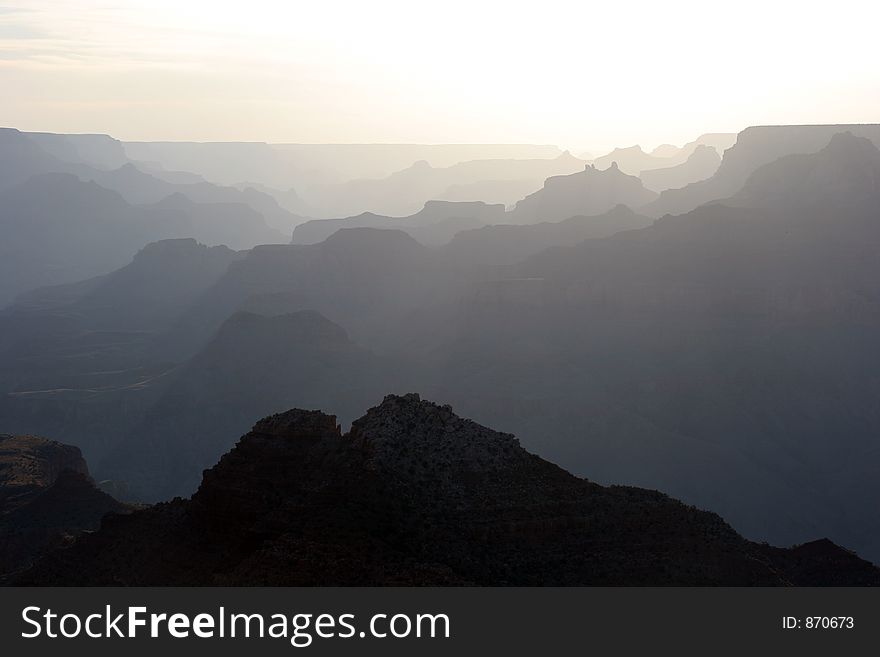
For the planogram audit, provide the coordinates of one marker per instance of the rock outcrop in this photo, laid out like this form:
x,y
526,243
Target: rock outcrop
x,y
414,494
47,499
29,464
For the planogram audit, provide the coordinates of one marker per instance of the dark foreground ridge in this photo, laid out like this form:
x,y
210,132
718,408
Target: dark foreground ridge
x,y
414,495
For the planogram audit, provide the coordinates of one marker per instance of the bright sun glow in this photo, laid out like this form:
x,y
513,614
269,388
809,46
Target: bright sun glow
x,y
584,75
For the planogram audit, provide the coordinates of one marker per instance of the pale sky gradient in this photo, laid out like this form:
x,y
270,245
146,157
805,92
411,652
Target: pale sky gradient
x,y
580,74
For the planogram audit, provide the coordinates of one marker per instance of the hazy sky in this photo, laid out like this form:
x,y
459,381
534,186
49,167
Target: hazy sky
x,y
581,74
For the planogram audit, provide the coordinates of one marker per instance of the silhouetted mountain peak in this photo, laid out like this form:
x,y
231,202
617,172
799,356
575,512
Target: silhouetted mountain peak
x,y
621,210
415,494
295,424
847,144
589,192
419,439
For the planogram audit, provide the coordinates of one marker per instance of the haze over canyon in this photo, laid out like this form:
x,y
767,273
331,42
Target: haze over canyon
x,y
234,345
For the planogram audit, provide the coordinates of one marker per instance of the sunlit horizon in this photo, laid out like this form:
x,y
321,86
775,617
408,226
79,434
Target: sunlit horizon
x,y
586,78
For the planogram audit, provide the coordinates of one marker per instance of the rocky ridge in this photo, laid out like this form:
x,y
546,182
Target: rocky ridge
x,y
414,494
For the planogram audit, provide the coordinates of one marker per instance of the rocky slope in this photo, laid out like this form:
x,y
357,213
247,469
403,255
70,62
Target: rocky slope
x,y
46,499
414,494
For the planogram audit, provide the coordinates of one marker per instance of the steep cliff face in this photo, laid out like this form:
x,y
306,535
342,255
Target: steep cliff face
x,y
29,464
414,494
46,499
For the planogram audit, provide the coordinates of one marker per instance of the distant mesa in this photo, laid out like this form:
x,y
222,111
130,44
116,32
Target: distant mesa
x,y
403,192
434,224
588,192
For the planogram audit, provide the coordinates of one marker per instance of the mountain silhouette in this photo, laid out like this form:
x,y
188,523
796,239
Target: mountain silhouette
x,y
509,244
21,158
634,161
846,171
405,191
47,499
88,350
701,164
317,165
139,187
59,229
587,193
724,355
436,223
364,279
415,495
255,365
630,160
755,147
